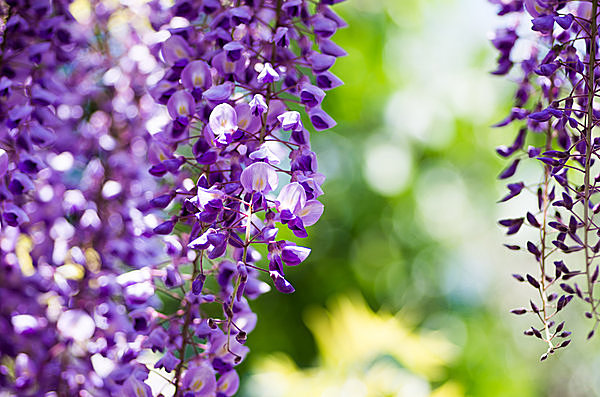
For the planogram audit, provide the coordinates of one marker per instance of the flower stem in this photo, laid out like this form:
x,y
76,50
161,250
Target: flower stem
x,y
588,153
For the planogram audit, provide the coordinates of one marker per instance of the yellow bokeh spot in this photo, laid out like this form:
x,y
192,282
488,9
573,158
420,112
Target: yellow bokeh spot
x,y
119,19
54,307
23,252
449,389
71,271
9,364
92,259
353,324
81,11
361,353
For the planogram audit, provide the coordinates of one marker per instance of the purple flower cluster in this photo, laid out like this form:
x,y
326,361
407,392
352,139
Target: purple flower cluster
x,y
73,189
240,82
36,42
83,257
554,105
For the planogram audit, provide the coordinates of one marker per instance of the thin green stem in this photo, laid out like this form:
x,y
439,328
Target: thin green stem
x,y
588,153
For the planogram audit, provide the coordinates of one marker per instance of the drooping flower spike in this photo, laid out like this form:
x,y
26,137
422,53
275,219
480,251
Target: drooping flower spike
x,y
73,189
554,108
235,84
81,238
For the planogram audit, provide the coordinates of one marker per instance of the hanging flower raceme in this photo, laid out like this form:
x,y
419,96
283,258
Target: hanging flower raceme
x,y
74,187
554,109
243,84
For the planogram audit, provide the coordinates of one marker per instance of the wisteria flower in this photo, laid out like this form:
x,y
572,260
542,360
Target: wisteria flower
x,y
290,121
200,379
181,104
258,105
268,74
223,121
259,177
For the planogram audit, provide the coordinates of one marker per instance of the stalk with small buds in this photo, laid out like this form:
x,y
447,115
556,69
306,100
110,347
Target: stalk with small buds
x,y
554,105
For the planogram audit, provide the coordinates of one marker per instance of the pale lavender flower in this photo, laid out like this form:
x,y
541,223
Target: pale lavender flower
x,y
265,154
228,383
196,75
290,121
292,198
258,105
311,212
200,379
259,177
223,121
268,74
181,104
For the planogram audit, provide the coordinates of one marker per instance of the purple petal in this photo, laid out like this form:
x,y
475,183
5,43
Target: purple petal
x,y
290,121
181,104
3,162
134,387
293,255
292,198
196,74
330,48
321,120
259,177
564,21
228,384
510,171
532,7
258,105
268,74
311,95
311,212
323,26
201,242
320,62
223,120
281,283
198,284
176,48
543,24
200,379
219,93
281,38
547,69
265,154
328,81
543,115
164,228
169,362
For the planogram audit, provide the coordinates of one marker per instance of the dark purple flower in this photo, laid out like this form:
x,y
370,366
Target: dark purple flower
x,y
281,283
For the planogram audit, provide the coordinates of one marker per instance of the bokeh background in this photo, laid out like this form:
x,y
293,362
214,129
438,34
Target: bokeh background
x,y
408,289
